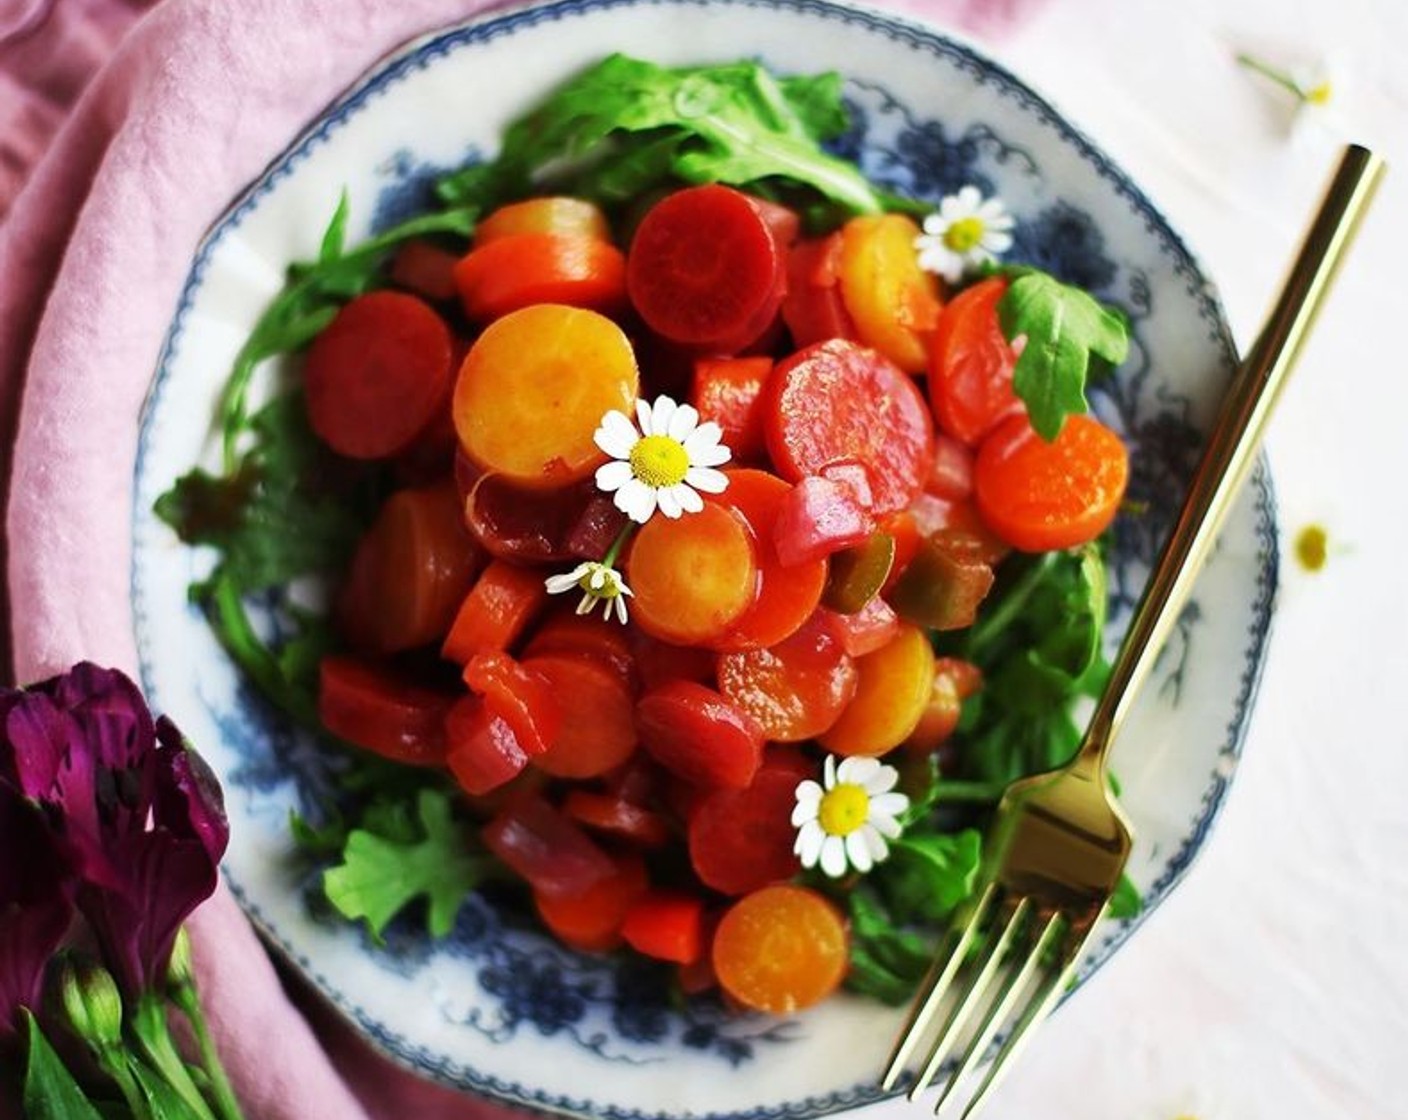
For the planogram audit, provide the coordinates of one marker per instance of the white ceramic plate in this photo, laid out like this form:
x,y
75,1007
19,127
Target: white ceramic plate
x,y
500,1010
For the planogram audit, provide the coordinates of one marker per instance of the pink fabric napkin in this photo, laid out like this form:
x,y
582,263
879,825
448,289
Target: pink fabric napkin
x,y
124,132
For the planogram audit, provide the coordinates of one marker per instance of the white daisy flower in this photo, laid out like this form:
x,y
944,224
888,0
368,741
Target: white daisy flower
x,y
1313,87
663,465
847,818
599,583
966,230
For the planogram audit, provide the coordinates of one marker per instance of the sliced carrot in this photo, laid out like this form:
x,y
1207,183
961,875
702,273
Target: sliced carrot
x,y
617,817
555,214
484,750
955,680
381,709
533,389
597,731
894,303
521,269
1039,496
893,689
742,839
786,596
591,920
700,735
409,573
692,577
426,270
374,378
729,391
518,695
498,609
781,949
796,689
666,925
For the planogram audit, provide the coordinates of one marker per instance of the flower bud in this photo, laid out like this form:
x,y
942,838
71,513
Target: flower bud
x,y
180,973
92,1003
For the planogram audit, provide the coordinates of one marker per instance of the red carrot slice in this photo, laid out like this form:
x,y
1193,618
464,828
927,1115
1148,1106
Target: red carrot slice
x,y
740,840
705,269
377,374
837,401
699,734
375,707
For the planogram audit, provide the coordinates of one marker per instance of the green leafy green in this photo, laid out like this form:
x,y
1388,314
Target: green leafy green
x,y
50,1091
929,873
380,875
1038,641
626,126
1064,326
1126,902
888,958
283,513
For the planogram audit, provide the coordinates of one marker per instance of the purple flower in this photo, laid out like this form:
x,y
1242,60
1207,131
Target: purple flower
x,y
137,813
36,906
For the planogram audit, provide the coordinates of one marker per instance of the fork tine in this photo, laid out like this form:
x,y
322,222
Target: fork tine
x,y
935,985
1003,1005
970,999
1037,1009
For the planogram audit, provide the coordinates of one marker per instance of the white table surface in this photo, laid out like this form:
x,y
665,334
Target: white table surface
x,y
1273,985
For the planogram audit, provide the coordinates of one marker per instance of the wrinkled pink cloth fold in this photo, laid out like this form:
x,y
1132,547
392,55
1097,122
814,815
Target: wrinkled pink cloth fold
x,y
131,127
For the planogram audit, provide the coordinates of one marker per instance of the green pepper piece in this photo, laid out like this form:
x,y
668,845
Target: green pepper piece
x,y
857,574
944,583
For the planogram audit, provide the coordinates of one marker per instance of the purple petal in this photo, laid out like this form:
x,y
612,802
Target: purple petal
x,y
189,801
35,905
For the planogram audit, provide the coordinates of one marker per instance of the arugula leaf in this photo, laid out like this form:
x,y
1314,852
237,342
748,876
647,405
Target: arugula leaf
x,y
1126,902
1063,326
887,959
929,873
626,125
379,876
1038,640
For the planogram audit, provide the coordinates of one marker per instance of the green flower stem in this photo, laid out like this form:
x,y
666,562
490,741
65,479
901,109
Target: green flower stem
x,y
995,621
619,543
951,792
154,1034
1274,74
184,996
116,1063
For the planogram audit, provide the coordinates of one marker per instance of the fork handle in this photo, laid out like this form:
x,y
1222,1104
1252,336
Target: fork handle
x,y
1231,448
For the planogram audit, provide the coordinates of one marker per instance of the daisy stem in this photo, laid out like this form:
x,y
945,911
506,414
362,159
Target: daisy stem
x,y
619,543
1273,74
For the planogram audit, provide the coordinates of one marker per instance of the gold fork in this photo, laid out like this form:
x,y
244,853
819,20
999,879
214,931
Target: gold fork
x,y
1059,842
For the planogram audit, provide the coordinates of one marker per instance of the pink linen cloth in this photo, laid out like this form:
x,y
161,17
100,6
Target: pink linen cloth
x,y
125,130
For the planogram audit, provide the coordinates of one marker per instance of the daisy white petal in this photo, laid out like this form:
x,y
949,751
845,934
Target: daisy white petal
x,y
808,792
874,841
888,804
809,842
833,856
707,479
885,824
997,242
643,418
636,500
880,780
661,415
556,585
617,435
970,197
858,851
612,476
689,499
705,436
669,502
828,771
683,423
858,769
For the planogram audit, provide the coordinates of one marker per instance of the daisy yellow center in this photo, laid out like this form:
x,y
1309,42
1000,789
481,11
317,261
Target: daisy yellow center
x,y
1320,93
659,461
600,589
964,234
843,809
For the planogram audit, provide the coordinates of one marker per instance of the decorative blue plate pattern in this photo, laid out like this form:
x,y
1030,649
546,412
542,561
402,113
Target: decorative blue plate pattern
x,y
497,1008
